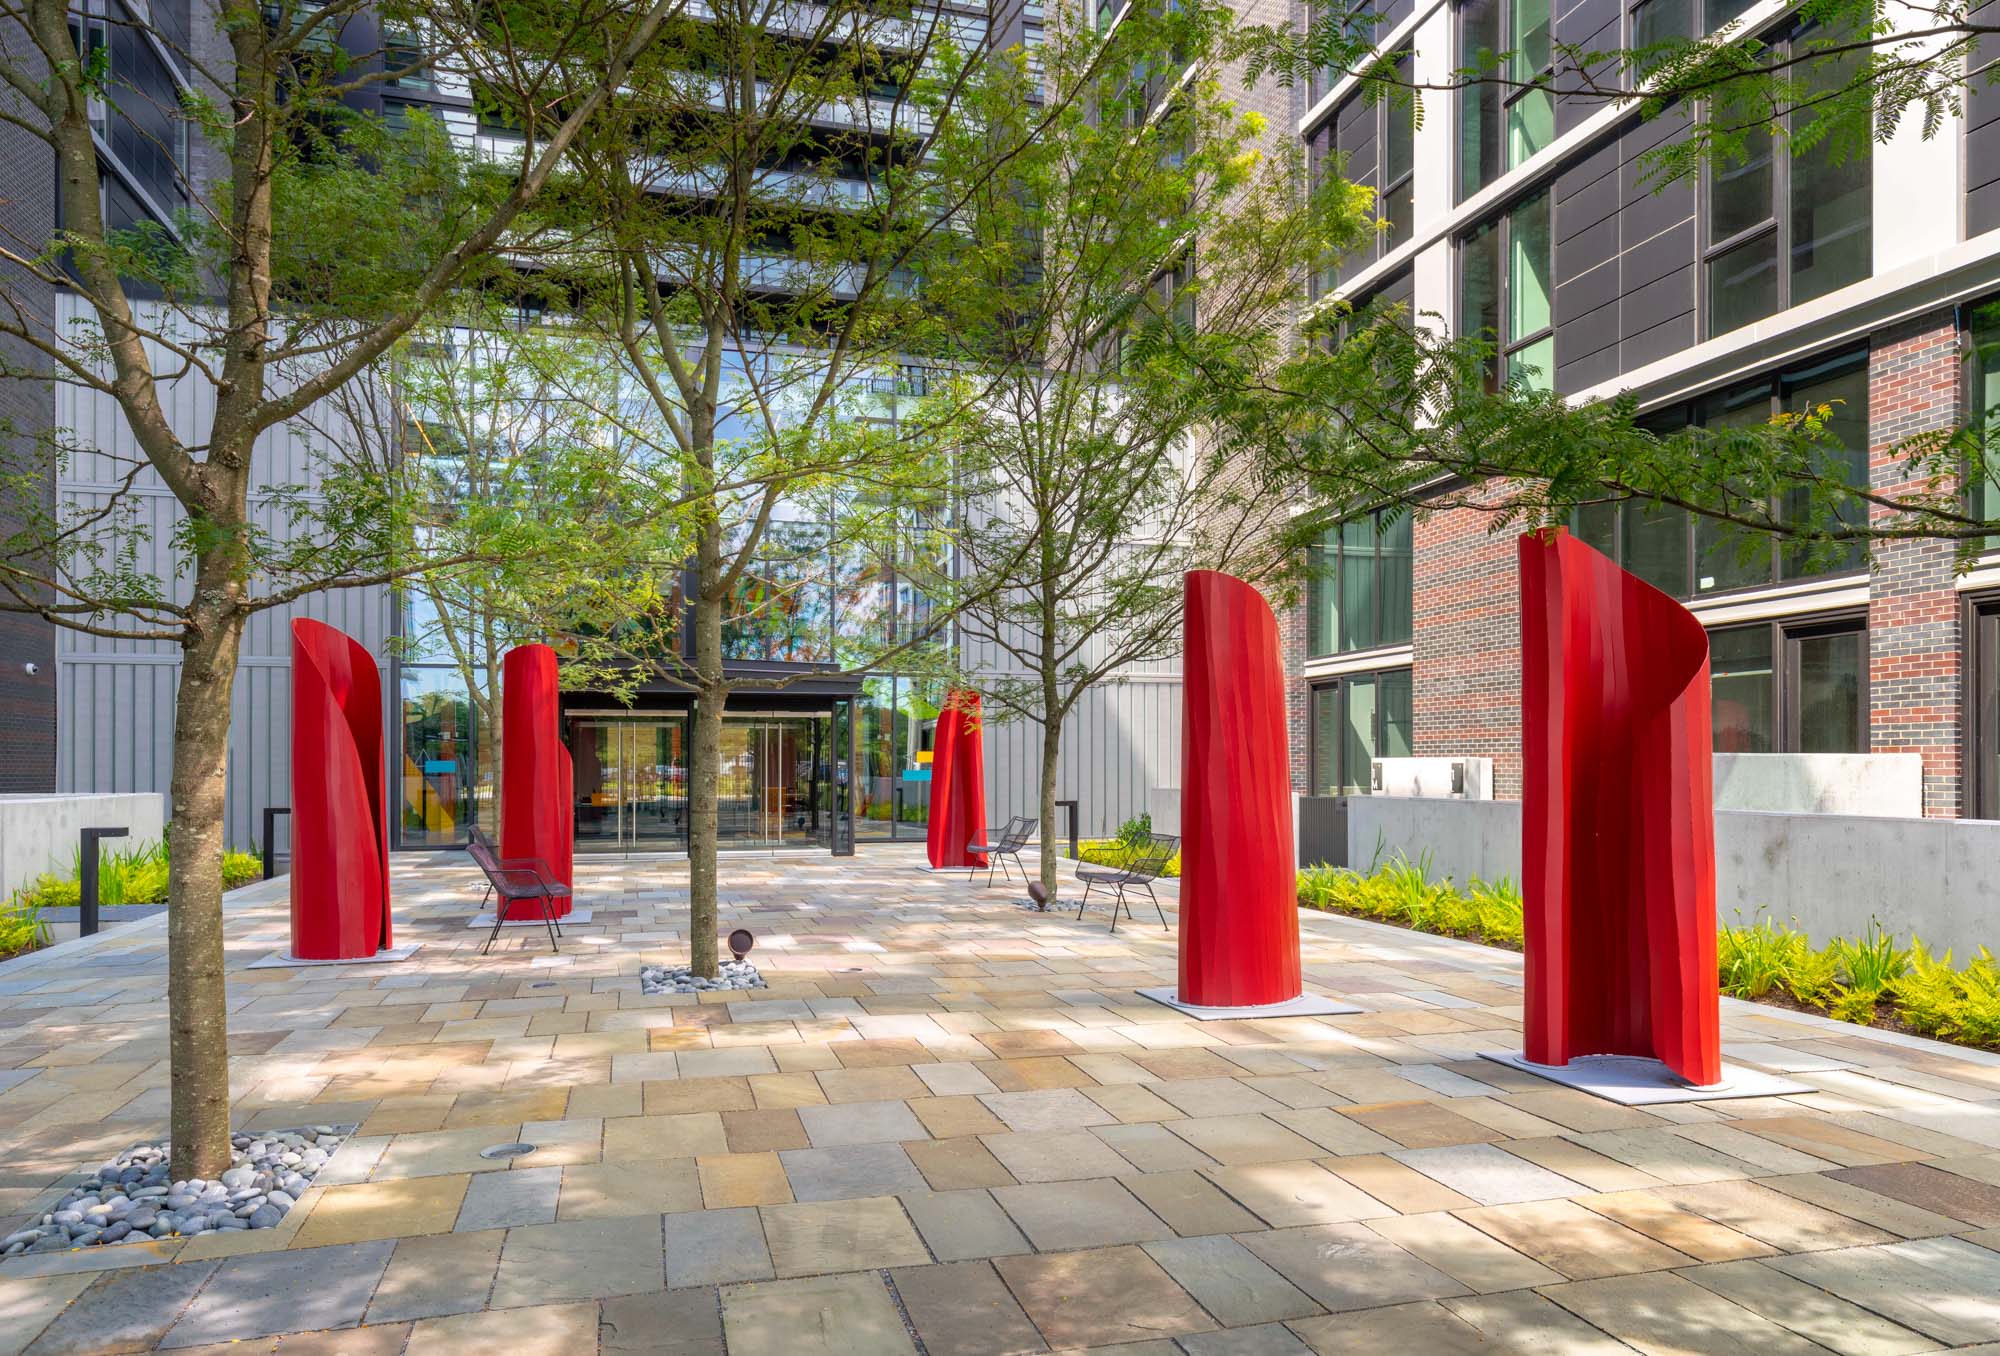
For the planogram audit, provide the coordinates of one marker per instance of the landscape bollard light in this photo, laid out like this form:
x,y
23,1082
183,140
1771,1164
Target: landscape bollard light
x,y
86,894
740,942
271,813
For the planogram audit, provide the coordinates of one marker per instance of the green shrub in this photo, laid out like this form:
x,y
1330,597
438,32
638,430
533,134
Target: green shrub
x,y
1962,1005
1874,963
1115,852
135,876
1134,833
21,929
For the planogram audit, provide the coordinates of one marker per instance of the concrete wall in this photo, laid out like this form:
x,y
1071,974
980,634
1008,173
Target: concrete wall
x,y
39,833
1829,875
1879,784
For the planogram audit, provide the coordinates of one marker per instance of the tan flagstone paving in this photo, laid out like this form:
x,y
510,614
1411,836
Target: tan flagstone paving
x,y
950,1125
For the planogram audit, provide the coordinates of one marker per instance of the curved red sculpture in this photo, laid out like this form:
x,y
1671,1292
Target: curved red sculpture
x,y
1239,890
1617,816
340,823
958,785
537,820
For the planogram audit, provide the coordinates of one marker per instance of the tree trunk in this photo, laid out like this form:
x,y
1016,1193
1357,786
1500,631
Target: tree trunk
x,y
705,753
197,1013
1051,757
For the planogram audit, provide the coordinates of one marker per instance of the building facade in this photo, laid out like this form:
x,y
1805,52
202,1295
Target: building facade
x,y
84,713
1863,283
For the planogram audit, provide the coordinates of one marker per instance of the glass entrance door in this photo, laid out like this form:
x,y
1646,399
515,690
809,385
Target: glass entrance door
x,y
630,783
775,782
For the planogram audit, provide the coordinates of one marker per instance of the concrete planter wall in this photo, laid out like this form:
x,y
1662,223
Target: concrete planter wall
x,y
1936,878
39,833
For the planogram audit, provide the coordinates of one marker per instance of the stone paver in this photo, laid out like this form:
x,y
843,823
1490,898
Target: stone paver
x,y
947,1101
965,1309
819,1316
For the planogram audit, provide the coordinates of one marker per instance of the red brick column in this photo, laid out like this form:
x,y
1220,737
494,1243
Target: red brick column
x,y
1467,643
1914,643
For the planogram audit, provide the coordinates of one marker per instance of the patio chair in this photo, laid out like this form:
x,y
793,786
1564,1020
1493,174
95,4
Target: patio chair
x,y
1147,865
516,878
1012,839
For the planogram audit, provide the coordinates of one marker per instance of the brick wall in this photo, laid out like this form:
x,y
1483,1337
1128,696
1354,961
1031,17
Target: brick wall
x,y
1298,694
1914,624
1467,643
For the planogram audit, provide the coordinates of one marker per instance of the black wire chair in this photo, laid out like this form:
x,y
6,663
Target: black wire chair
x,y
516,878
1020,829
1147,865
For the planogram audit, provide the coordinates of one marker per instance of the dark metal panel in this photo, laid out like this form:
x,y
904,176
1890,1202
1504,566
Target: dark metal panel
x,y
1590,332
1656,343
1585,371
1655,257
1577,297
1663,299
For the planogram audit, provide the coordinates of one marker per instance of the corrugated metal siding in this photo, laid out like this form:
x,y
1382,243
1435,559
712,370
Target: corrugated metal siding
x,y
115,698
1122,740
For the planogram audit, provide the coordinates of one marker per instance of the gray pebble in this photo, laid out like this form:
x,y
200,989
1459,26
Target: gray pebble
x,y
266,1217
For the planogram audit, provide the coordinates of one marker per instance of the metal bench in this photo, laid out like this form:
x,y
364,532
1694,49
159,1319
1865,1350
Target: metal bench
x,y
1147,865
1012,839
516,879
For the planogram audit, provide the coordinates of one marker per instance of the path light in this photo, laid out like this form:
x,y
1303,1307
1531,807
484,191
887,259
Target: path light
x,y
1039,894
740,942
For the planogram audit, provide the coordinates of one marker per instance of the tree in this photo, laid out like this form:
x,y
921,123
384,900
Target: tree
x,y
538,519
325,236
1143,232
746,235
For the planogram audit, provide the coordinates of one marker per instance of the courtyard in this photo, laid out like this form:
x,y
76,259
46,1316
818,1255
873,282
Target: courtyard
x,y
949,1125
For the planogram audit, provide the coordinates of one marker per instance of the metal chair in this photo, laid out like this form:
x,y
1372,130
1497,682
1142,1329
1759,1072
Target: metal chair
x,y
1020,829
1146,866
516,878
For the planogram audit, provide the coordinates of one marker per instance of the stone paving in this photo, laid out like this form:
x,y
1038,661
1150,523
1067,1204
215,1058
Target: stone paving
x,y
949,1126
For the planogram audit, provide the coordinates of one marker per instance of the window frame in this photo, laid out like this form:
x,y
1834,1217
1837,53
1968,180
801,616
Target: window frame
x,y
1511,94
1780,223
1508,347
1786,702
1781,383
1340,686
1323,576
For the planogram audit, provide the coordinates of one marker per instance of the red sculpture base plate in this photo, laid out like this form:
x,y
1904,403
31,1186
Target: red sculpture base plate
x,y
1632,1080
1305,1005
280,960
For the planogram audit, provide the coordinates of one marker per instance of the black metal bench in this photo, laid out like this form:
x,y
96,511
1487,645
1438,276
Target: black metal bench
x,y
1012,839
516,879
1147,865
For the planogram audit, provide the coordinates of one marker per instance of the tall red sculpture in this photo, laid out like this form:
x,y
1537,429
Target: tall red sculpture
x,y
1239,891
1617,816
340,823
958,785
537,819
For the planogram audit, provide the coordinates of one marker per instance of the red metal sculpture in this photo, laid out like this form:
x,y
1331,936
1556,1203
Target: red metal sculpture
x,y
1618,824
1239,890
340,824
958,785
537,820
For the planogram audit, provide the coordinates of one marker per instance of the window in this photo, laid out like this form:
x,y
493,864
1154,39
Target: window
x,y
1982,696
1371,138
1692,558
1355,720
1982,352
1358,586
1506,293
1790,687
1783,228
1505,119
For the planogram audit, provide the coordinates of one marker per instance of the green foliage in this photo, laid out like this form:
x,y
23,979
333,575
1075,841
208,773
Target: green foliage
x,y
21,929
1134,832
1849,979
133,876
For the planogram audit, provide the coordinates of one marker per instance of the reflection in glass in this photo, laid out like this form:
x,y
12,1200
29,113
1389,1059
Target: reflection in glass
x,y
1743,284
1479,292
446,774
1830,717
1357,734
1530,266
1844,397
1739,661
1478,104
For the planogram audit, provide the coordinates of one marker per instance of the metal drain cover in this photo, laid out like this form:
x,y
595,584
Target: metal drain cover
x,y
514,1150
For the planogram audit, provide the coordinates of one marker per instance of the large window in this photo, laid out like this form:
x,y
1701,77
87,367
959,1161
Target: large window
x,y
1507,291
1358,586
1689,557
1785,227
1354,720
1790,687
1371,140
1511,115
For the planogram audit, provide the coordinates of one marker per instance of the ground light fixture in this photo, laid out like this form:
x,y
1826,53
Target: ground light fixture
x,y
740,942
